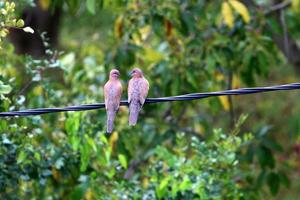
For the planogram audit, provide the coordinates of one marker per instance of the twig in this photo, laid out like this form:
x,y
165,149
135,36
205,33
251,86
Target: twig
x,y
231,109
277,7
24,88
285,33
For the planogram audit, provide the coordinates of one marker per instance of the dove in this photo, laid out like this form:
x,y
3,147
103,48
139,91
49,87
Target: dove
x,y
112,97
138,88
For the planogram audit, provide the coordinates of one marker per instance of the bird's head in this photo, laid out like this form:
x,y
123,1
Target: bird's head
x,y
137,73
114,73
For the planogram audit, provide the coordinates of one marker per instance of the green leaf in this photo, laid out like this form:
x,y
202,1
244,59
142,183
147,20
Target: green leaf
x,y
185,184
284,179
84,157
110,173
157,24
260,179
265,157
161,190
5,89
91,142
273,145
21,157
79,191
103,139
273,181
37,156
192,79
122,160
73,5
187,22
72,123
91,6
72,127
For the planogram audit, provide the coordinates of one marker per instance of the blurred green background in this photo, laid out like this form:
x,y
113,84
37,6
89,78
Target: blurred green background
x,y
240,147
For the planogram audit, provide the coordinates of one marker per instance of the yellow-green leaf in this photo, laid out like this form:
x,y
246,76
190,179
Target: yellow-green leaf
x,y
296,5
161,189
21,157
122,160
241,9
118,29
153,55
44,4
20,23
227,14
225,102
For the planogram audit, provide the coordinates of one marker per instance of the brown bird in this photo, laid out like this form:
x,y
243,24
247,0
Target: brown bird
x,y
112,97
137,92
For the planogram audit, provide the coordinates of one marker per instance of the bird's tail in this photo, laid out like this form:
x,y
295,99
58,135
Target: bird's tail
x,y
110,120
134,110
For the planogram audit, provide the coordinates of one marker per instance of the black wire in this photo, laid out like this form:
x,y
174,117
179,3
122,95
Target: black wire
x,y
186,97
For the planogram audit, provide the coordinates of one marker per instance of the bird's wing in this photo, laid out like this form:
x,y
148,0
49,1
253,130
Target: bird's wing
x,y
144,88
118,94
106,93
130,89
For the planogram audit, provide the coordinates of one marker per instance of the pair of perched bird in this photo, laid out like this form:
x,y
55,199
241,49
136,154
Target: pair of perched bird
x,y
138,88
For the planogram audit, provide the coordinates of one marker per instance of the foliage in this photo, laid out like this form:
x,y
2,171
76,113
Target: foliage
x,y
7,18
186,168
176,151
9,21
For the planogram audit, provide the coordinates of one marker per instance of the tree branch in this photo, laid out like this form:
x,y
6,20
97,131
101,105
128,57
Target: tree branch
x,y
278,7
285,33
284,42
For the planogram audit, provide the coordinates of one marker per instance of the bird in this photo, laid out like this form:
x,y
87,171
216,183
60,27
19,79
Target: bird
x,y
112,98
138,88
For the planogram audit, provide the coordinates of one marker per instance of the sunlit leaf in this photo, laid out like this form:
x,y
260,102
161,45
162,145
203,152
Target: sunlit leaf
x,y
241,9
296,5
161,190
153,56
122,160
185,184
227,14
225,102
118,26
84,156
113,139
91,6
5,89
20,23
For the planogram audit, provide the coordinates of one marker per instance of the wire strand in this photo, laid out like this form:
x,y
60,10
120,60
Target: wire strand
x,y
185,97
